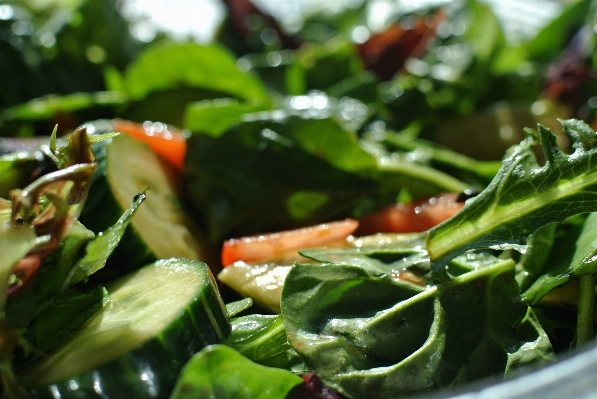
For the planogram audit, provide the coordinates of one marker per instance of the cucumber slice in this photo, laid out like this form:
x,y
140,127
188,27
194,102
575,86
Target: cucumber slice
x,y
161,229
157,318
261,282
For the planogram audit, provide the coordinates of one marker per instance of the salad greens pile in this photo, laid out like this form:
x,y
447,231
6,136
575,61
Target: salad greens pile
x,y
281,129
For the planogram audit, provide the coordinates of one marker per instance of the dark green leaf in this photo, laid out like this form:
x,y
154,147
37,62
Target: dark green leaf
x,y
98,250
539,246
269,175
523,196
321,66
277,170
573,254
537,347
347,322
65,317
484,334
369,335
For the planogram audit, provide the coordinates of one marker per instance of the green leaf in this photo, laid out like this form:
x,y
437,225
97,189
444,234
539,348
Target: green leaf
x,y
539,246
191,65
215,117
69,252
321,66
262,339
220,372
485,33
574,253
65,317
523,196
40,114
278,170
373,259
263,175
484,334
584,260
551,40
236,307
367,334
98,250
536,349
350,324
44,108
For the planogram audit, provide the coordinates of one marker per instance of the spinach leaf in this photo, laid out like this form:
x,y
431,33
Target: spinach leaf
x,y
486,330
537,346
368,334
277,170
191,65
523,196
220,372
379,261
269,175
347,322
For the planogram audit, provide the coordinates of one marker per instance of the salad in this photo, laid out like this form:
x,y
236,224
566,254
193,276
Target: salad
x,y
354,207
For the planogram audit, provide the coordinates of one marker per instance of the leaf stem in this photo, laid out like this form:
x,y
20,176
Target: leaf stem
x,y
584,323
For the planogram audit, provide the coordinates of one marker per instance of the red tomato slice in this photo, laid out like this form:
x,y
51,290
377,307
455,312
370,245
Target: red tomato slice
x,y
269,246
409,218
165,140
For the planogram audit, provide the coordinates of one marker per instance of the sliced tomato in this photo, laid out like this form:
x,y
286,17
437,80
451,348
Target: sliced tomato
x,y
416,216
269,246
165,140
